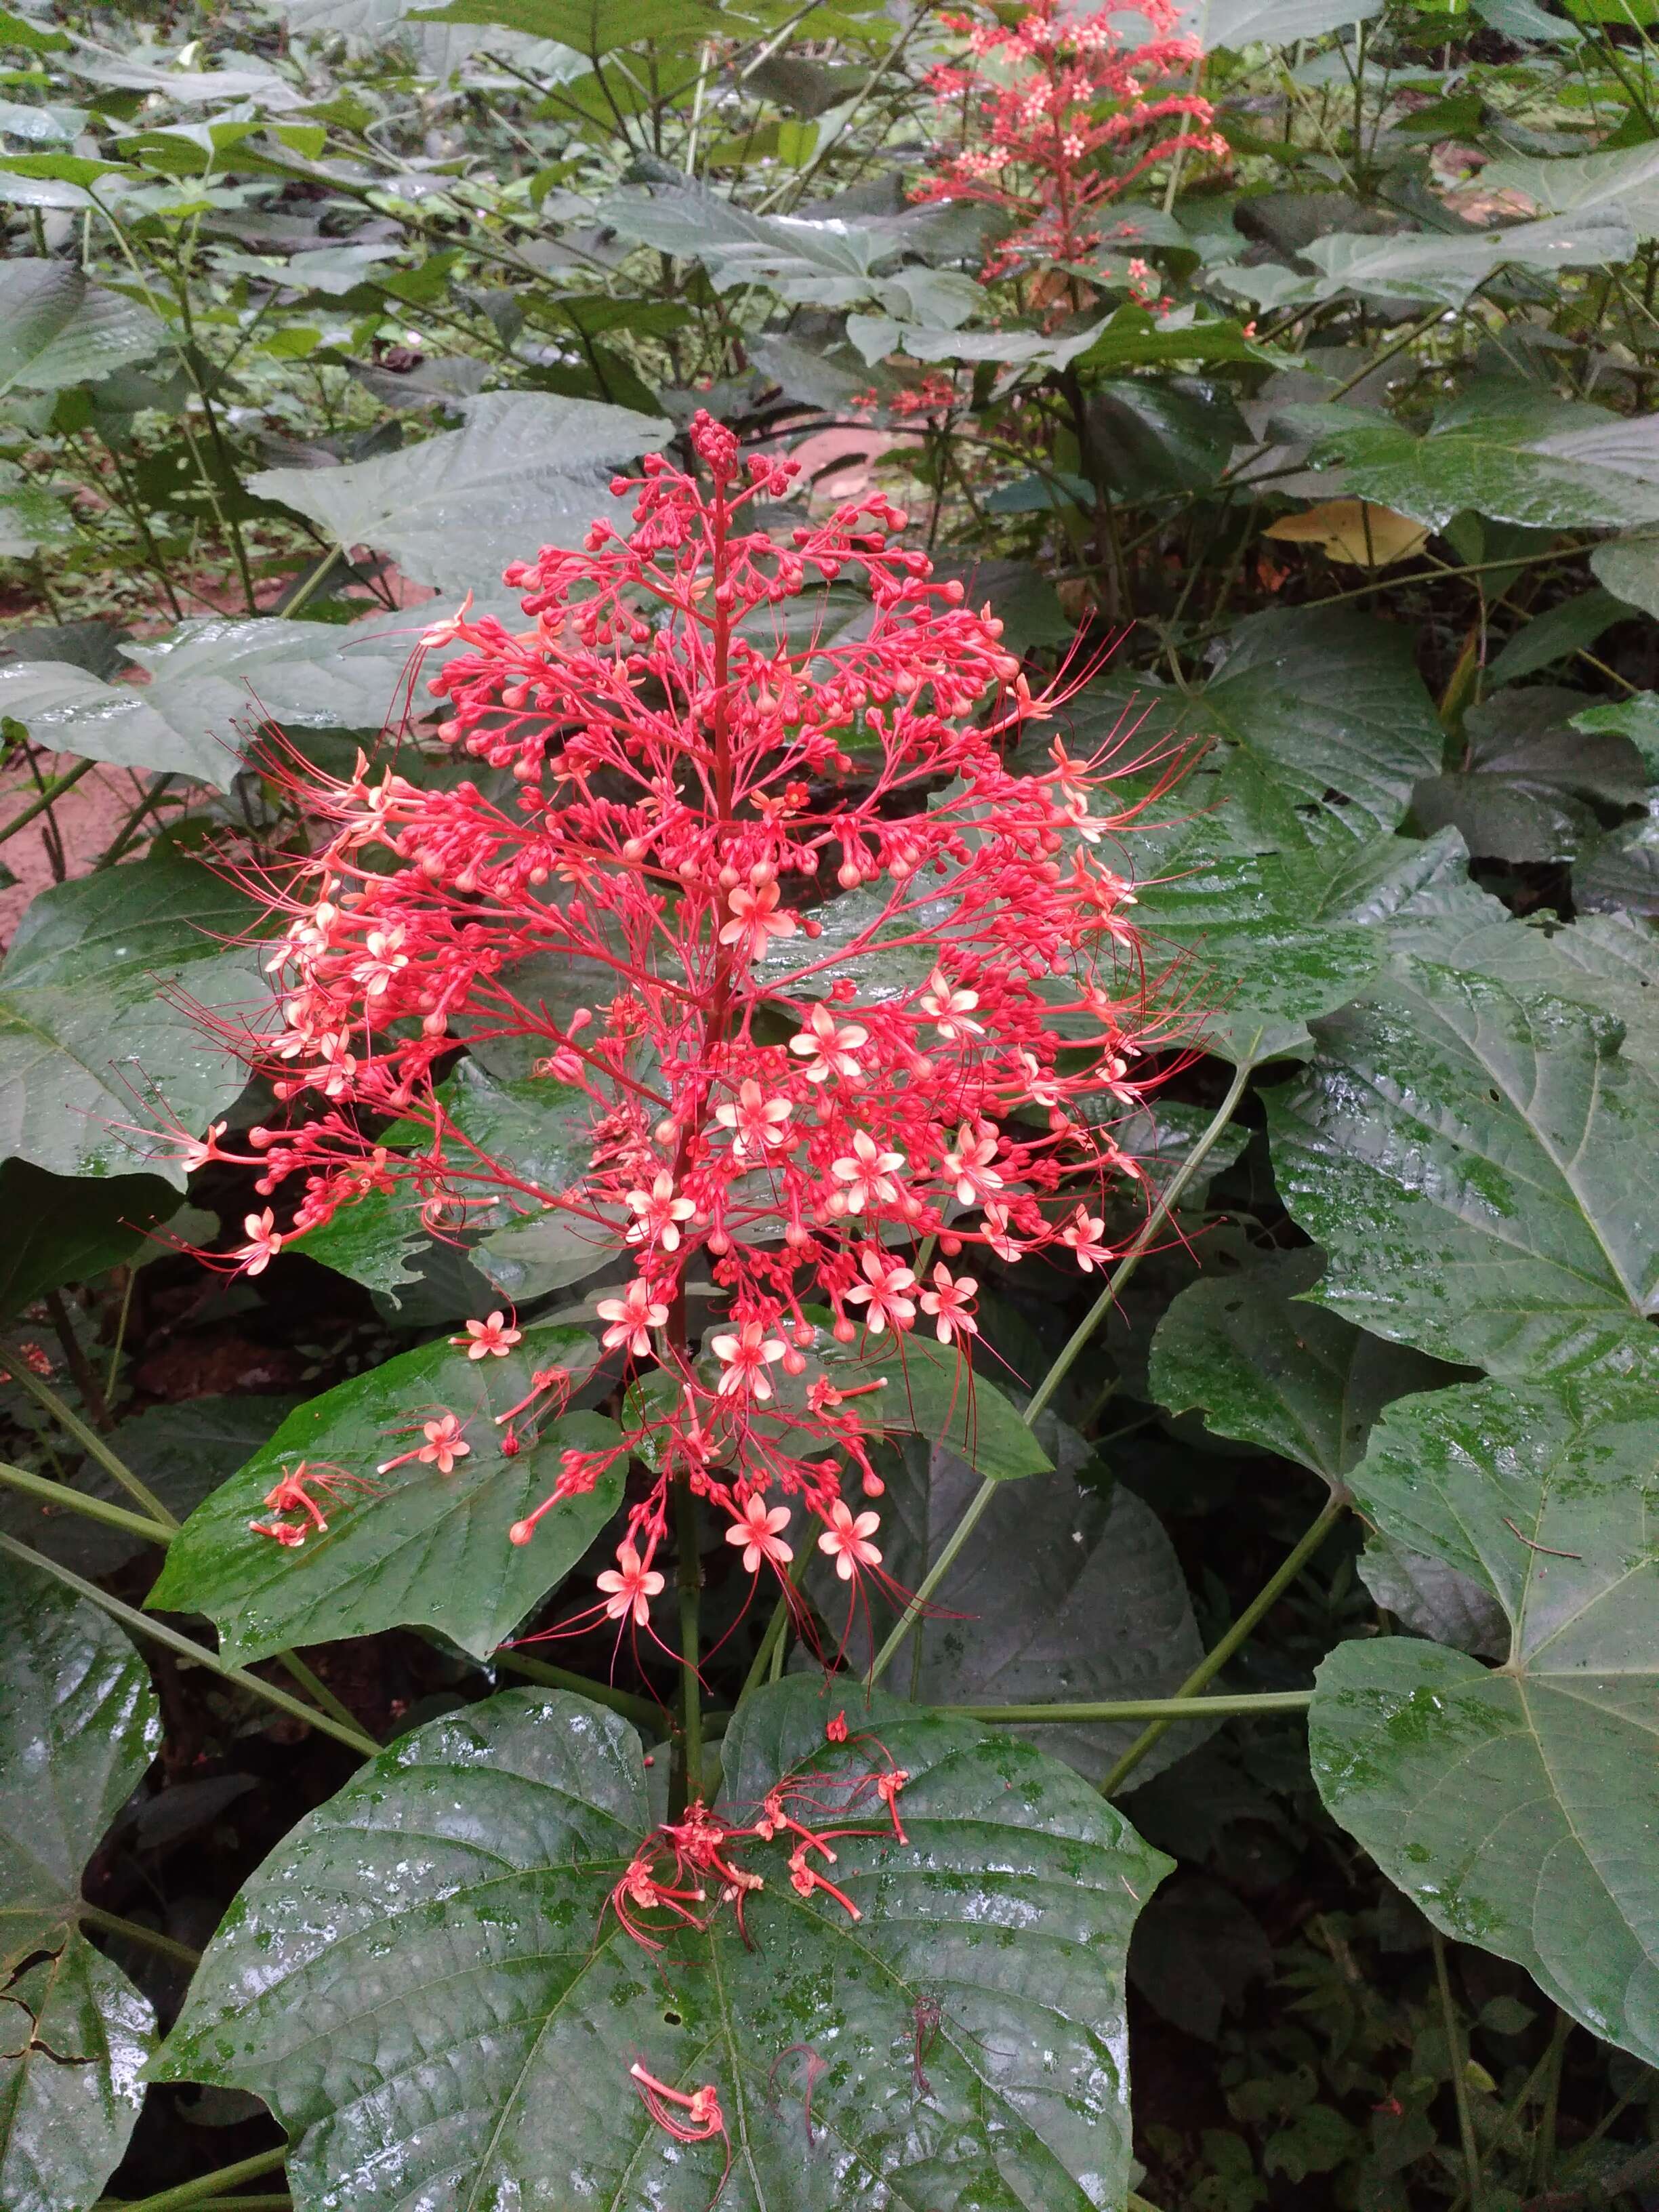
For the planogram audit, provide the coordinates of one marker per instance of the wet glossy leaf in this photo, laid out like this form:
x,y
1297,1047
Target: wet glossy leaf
x,y
420,1548
528,469
1626,181
1516,1806
102,1003
1264,1366
1515,466
79,1724
1324,720
57,329
1481,1165
1629,567
1433,1599
75,2036
424,1984
590,27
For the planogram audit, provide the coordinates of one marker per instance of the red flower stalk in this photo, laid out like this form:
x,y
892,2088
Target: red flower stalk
x,y
789,1095
1058,117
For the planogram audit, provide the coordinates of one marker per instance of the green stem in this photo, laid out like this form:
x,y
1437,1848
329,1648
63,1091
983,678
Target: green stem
x,y
1242,1629
134,1931
1543,2146
91,1443
154,1532
76,1501
685,1781
144,1624
309,585
189,2195
44,798
1460,2078
1057,1374
640,1711
760,1663
1142,1709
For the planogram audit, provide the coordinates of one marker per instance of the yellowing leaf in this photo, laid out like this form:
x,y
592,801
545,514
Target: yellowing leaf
x,y
1354,532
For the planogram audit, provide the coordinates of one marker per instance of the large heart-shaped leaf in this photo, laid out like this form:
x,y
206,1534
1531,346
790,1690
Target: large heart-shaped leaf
x,y
1262,1365
75,2036
1518,1805
426,1986
1626,181
103,1000
79,1724
1507,464
1481,1165
1325,720
415,1548
528,469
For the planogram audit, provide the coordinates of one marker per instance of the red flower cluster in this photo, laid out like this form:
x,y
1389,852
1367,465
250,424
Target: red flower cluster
x,y
1063,120
789,1095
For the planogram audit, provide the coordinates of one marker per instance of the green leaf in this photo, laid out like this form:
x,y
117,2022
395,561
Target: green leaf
x,y
592,26
1621,871
79,1724
75,2036
1264,1366
528,469
63,1230
1517,1806
418,1548
1237,24
1512,468
1061,1593
1159,436
57,329
1566,627
31,516
1433,1599
435,2006
93,1041
1626,181
1480,1162
1629,567
1324,718
1529,784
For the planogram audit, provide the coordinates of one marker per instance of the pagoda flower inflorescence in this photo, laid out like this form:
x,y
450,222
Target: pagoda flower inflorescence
x,y
836,933
1059,115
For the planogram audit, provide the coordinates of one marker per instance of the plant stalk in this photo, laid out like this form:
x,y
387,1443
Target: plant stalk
x,y
1241,1630
144,1624
134,1931
76,1501
189,2195
91,1443
1062,1366
1460,2079
1142,1709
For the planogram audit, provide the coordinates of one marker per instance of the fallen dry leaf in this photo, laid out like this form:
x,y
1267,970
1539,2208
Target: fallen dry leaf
x,y
1354,532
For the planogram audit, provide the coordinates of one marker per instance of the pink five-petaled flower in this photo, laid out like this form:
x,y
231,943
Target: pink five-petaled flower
x,y
950,1009
444,1443
1082,1233
969,1161
884,1291
745,1357
754,923
197,1151
830,1047
629,1586
759,1532
488,1338
377,972
660,1213
632,1318
847,1540
758,1123
865,1176
262,1243
947,1302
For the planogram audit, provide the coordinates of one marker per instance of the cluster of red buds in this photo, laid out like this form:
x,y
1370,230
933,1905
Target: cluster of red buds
x,y
820,1103
1059,117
